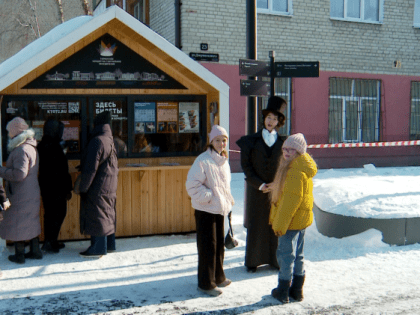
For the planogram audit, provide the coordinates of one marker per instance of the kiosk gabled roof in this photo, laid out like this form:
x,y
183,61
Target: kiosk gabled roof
x,y
65,35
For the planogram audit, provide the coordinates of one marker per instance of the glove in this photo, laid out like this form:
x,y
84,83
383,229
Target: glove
x,y
68,196
6,205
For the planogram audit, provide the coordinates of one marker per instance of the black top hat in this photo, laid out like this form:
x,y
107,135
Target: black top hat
x,y
275,105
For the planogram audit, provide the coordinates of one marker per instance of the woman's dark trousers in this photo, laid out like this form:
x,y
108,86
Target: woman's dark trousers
x,y
54,213
211,251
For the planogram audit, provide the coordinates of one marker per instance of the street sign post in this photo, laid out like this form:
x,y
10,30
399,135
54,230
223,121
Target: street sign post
x,y
254,68
254,88
272,69
296,69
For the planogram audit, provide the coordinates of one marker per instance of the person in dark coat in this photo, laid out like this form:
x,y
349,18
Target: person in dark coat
x,y
98,188
4,202
55,183
21,222
260,155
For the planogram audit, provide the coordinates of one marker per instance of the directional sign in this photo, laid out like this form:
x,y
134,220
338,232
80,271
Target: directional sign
x,y
254,68
254,88
295,69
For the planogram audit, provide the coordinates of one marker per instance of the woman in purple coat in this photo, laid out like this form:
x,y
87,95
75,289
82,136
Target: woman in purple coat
x,y
98,188
21,222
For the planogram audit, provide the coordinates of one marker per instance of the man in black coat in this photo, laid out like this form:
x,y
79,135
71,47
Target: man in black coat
x,y
55,183
260,156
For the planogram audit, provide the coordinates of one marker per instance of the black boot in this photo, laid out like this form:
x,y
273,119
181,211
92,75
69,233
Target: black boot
x,y
19,256
50,247
35,252
281,293
296,291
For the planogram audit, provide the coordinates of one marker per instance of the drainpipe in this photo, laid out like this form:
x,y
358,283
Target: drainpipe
x,y
178,24
251,53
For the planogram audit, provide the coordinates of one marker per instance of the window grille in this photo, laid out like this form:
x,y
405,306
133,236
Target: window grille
x,y
354,110
415,111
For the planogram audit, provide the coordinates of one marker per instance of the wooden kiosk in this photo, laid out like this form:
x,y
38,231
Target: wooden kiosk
x,y
162,102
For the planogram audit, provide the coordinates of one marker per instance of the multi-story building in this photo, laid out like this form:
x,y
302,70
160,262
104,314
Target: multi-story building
x,y
368,90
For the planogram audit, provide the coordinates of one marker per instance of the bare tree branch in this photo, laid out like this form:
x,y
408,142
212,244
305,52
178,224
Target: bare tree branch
x,y
88,11
60,8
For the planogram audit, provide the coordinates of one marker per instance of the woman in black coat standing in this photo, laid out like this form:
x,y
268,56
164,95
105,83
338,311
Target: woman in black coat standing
x,y
98,188
260,155
55,183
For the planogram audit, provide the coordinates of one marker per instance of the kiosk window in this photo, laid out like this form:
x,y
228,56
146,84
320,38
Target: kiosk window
x,y
119,123
37,112
161,127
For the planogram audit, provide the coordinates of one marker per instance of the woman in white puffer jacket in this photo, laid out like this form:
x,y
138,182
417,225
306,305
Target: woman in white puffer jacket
x,y
208,185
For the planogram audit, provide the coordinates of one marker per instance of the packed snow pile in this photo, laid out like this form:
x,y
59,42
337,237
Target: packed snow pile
x,y
369,192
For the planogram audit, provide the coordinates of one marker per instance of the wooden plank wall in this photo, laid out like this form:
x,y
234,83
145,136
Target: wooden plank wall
x,y
148,202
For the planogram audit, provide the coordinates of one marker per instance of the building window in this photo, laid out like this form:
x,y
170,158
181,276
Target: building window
x,y
417,13
139,9
275,6
37,112
415,111
119,121
166,127
282,88
357,10
354,110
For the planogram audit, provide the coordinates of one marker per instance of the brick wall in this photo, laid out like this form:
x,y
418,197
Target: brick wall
x,y
309,34
220,24
162,18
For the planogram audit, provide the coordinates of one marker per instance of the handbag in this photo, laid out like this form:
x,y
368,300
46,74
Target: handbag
x,y
230,241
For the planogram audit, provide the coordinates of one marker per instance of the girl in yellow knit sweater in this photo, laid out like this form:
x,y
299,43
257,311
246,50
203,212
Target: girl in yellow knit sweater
x,y
291,213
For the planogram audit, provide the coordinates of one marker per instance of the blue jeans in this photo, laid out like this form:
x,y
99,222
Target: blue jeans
x,y
101,244
290,254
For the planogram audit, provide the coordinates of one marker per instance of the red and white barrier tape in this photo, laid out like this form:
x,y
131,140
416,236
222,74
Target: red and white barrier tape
x,y
365,145
359,145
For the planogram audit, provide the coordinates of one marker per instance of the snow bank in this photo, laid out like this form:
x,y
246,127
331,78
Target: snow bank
x,y
369,192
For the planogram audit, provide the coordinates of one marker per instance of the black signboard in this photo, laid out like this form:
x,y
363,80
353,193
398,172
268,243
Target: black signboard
x,y
254,88
254,68
106,63
296,69
204,57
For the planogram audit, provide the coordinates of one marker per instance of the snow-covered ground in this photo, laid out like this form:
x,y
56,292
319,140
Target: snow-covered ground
x,y
157,275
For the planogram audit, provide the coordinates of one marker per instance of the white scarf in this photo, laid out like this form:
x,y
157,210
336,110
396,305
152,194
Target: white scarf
x,y
19,139
269,137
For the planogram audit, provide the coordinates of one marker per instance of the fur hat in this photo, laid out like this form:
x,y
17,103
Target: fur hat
x,y
297,142
275,105
217,130
16,126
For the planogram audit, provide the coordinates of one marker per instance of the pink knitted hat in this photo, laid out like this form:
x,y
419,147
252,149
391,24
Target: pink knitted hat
x,y
216,130
297,142
16,126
